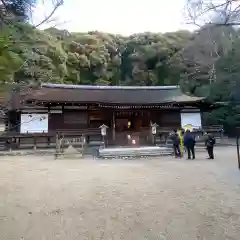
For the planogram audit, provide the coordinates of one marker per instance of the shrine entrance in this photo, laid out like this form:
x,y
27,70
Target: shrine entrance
x,y
130,126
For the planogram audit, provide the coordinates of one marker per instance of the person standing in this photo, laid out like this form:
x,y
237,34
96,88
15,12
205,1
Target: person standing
x,y
181,136
189,143
176,143
209,143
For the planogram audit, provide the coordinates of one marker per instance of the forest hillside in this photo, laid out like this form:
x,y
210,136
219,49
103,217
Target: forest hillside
x,y
204,63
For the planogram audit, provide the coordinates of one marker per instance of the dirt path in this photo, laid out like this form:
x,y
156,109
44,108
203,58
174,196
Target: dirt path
x,y
43,199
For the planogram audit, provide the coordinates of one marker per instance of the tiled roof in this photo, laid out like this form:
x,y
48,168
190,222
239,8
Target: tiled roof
x,y
110,94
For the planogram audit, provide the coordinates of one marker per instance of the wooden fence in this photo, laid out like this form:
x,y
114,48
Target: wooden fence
x,y
69,146
13,140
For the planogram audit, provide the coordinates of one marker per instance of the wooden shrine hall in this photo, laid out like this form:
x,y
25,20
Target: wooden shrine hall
x,y
125,110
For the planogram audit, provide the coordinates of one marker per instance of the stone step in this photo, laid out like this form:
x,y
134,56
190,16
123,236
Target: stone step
x,y
123,152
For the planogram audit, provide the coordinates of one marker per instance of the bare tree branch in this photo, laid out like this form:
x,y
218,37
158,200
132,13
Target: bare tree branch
x,y
47,18
213,12
216,20
9,14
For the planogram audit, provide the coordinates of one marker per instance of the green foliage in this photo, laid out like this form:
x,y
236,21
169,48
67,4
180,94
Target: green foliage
x,y
204,63
97,58
20,8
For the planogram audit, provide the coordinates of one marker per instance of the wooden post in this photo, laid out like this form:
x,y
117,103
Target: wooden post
x,y
238,155
6,122
57,146
154,139
237,142
103,139
83,145
88,125
34,143
113,127
150,132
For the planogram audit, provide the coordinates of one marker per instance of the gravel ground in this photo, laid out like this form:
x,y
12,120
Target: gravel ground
x,y
165,198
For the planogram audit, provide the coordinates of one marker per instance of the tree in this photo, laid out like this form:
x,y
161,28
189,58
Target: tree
x,y
214,15
227,89
213,12
12,11
197,60
199,57
215,19
19,64
14,15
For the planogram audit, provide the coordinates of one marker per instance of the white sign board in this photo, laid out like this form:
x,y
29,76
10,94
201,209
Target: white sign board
x,y
193,119
34,123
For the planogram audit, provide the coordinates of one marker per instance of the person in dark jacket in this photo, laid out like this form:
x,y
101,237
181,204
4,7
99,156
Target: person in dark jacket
x,y
189,143
176,143
209,143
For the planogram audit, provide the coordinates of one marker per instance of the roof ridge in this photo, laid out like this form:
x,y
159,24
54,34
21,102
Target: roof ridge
x,y
71,86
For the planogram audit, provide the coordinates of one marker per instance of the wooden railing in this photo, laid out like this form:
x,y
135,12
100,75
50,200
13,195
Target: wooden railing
x,y
213,128
15,140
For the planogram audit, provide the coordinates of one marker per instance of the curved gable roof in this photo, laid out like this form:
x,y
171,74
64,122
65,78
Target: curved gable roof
x,y
110,94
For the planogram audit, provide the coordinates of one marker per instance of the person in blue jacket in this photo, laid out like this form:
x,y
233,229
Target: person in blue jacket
x,y
189,143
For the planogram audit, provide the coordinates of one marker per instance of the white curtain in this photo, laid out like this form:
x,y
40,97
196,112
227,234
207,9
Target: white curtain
x,y
193,119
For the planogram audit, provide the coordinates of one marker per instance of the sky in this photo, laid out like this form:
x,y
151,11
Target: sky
x,y
123,17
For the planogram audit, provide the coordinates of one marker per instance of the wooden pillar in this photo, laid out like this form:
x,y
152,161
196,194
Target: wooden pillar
x,y
150,136
49,115
113,126
6,122
88,125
